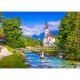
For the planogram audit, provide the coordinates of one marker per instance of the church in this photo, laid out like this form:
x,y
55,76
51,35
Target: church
x,y
49,38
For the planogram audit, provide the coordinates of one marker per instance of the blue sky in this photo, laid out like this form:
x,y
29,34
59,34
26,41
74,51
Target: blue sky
x,y
33,23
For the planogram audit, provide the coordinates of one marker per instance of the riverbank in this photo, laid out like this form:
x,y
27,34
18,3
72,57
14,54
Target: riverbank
x,y
55,54
49,62
16,60
52,53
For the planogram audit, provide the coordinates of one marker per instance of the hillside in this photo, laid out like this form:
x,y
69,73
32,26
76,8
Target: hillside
x,y
30,41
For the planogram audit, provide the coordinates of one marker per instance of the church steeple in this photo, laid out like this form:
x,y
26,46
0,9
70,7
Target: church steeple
x,y
46,27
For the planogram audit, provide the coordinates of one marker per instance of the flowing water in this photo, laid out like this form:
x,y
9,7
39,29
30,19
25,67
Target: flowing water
x,y
34,60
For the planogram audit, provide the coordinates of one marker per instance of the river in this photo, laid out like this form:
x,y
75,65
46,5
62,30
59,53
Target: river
x,y
34,60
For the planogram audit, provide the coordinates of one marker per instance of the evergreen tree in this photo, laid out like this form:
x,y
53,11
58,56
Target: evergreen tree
x,y
1,14
69,35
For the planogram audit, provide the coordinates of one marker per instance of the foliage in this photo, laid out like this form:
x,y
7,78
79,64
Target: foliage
x,y
69,35
30,41
1,30
1,14
13,32
53,53
9,48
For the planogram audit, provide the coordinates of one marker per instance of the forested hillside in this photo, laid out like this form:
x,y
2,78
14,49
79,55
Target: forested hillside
x,y
30,41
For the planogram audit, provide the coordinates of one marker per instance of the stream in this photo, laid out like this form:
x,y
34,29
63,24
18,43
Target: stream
x,y
34,60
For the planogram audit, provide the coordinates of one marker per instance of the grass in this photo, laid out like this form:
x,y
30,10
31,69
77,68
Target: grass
x,y
9,48
52,53
13,61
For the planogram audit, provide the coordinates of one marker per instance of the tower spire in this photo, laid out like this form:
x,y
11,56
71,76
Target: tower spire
x,y
46,27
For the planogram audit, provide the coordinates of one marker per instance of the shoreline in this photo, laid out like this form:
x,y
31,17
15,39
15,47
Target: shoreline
x,y
73,62
65,64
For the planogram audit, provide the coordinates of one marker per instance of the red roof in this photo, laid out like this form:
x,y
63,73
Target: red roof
x,y
2,35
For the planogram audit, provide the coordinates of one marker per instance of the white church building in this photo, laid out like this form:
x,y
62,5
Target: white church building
x,y
49,38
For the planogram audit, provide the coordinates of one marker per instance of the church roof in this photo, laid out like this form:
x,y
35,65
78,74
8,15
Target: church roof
x,y
49,35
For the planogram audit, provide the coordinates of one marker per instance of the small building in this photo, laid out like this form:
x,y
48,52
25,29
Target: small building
x,y
1,37
49,38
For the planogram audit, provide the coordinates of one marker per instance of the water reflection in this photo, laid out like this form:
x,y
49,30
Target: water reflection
x,y
42,60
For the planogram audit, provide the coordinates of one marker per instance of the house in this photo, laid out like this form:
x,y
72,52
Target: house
x,y
49,38
1,37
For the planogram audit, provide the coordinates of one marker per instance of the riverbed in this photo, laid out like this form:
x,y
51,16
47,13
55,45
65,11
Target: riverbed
x,y
34,60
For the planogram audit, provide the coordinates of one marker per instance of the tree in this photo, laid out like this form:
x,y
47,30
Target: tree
x,y
30,41
13,32
1,14
69,35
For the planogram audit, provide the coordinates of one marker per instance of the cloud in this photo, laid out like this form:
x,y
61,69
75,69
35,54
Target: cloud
x,y
54,22
54,25
38,29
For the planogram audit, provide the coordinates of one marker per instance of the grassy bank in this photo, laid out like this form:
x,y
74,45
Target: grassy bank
x,y
12,61
51,53
15,60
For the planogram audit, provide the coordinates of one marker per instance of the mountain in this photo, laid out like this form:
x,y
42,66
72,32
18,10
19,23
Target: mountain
x,y
41,36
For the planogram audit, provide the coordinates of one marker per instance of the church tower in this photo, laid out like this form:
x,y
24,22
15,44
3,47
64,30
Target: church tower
x,y
46,29
49,38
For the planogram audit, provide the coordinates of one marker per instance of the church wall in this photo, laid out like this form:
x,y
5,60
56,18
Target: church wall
x,y
52,40
45,40
48,44
46,31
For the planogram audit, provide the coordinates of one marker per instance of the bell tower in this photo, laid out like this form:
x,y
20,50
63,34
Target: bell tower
x,y
46,29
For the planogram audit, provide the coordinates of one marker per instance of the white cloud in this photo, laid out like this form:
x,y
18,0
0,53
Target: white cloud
x,y
38,29
54,22
54,25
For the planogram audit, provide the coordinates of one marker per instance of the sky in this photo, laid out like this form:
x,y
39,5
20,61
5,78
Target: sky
x,y
33,23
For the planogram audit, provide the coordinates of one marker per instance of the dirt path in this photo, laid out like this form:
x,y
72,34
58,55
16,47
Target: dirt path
x,y
4,52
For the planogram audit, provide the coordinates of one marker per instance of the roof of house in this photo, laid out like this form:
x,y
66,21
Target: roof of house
x,y
2,35
49,35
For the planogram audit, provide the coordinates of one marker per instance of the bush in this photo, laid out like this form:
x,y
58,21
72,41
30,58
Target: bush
x,y
52,53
